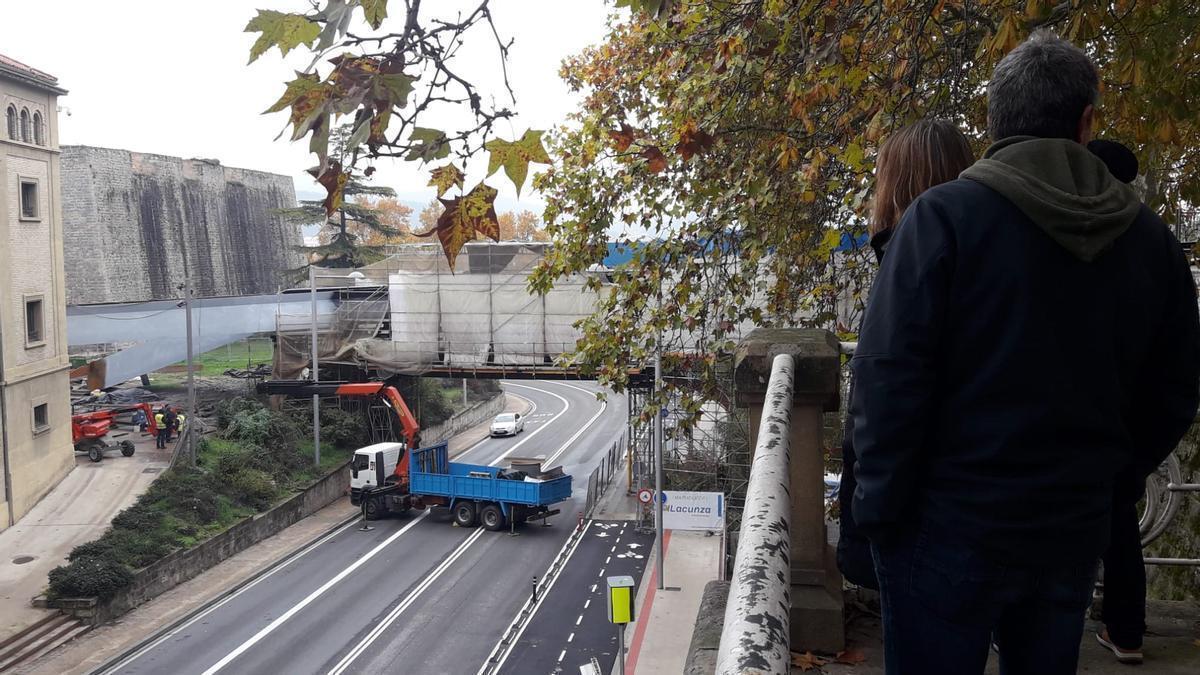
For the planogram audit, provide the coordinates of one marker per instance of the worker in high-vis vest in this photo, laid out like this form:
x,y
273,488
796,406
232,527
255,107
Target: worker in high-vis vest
x,y
160,429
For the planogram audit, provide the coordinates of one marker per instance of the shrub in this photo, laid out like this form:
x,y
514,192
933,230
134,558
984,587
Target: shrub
x,y
253,487
89,577
100,548
138,549
229,408
344,429
139,517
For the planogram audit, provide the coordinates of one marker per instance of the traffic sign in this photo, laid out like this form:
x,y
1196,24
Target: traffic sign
x,y
645,495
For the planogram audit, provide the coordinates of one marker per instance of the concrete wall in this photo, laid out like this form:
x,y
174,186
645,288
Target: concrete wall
x,y
136,222
157,578
463,420
31,268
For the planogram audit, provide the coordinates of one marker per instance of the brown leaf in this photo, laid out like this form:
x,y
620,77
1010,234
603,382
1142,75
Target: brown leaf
x,y
655,159
622,138
333,179
693,142
850,657
463,217
807,661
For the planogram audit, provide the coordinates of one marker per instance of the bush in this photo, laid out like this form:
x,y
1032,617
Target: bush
x,y
189,494
100,548
140,517
229,408
89,577
344,429
254,488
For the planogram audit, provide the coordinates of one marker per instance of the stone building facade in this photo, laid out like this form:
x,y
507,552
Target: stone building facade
x,y
35,405
137,223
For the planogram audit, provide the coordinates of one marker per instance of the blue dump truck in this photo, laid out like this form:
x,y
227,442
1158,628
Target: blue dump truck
x,y
387,478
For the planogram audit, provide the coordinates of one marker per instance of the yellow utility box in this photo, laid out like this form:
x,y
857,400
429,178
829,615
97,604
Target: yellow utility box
x,y
620,599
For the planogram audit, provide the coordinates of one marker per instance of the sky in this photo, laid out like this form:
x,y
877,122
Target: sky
x,y
171,78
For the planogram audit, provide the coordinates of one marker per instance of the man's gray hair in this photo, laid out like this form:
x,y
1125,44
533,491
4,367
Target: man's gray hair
x,y
1041,88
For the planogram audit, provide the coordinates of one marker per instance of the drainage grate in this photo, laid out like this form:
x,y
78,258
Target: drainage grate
x,y
22,559
151,470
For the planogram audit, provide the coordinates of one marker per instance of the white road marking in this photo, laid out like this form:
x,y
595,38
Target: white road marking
x,y
588,603
535,432
578,619
607,558
570,637
405,604
562,655
541,598
601,575
603,406
613,549
593,588
489,436
270,628
311,547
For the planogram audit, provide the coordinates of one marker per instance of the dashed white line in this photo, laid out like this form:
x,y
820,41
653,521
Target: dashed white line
x,y
607,558
588,603
593,588
562,655
578,619
601,573
570,637
613,549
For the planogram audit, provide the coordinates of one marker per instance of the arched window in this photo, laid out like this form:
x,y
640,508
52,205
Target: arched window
x,y
39,133
25,124
11,117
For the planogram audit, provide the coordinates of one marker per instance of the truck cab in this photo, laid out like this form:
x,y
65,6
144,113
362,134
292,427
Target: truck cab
x,y
372,466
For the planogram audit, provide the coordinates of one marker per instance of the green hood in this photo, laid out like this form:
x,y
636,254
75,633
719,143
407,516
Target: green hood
x,y
1062,187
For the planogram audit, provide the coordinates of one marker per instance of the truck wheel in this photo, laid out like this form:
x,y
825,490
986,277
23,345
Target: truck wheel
x,y
492,517
95,453
464,514
374,508
127,449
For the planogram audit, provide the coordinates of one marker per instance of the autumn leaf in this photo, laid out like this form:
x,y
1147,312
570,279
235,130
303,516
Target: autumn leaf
x,y
850,657
375,11
395,87
655,159
807,661
693,142
427,145
333,179
445,177
515,156
464,216
279,29
623,138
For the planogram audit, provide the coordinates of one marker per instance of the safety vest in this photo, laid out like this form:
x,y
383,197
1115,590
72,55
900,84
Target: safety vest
x,y
181,420
158,420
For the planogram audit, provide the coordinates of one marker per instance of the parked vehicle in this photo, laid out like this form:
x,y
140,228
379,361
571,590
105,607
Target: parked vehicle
x,y
507,424
474,493
90,430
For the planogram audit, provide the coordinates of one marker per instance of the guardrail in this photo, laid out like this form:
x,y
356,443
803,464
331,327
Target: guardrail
x,y
602,476
755,634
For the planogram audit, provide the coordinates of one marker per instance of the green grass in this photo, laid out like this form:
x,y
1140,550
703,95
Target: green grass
x,y
240,355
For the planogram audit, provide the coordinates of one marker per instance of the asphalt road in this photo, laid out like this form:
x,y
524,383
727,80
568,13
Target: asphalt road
x,y
416,594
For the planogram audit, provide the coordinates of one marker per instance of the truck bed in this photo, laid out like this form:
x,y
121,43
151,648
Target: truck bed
x,y
432,474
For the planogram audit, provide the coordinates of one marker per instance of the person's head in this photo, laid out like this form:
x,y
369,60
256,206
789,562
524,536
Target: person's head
x,y
1120,160
1045,87
912,160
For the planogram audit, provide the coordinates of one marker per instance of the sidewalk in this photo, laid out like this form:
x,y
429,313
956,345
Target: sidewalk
x,y
77,510
658,639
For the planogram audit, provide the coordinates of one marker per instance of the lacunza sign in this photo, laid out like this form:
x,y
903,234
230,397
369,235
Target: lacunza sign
x,y
693,510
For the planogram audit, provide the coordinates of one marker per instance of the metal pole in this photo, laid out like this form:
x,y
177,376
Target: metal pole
x,y
621,649
658,460
191,374
316,369
464,392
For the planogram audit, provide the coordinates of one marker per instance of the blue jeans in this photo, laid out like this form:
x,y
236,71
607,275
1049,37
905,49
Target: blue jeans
x,y
944,602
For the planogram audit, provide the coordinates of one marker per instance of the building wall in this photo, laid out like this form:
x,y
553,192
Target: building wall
x,y
31,266
135,223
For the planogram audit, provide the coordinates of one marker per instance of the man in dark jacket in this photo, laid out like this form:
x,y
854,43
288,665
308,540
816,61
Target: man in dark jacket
x,y
1032,332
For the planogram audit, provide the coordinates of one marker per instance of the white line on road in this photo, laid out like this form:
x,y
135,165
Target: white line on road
x,y
537,605
594,588
607,558
570,637
535,432
311,547
588,603
487,438
578,619
601,575
311,596
405,604
562,655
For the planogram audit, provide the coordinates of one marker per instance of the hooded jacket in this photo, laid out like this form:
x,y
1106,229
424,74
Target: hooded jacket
x,y
1032,331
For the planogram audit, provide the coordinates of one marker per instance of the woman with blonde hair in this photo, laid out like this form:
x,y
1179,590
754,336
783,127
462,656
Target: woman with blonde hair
x,y
915,158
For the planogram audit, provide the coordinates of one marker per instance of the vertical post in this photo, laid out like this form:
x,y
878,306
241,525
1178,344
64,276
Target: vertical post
x,y
464,392
621,649
190,448
316,368
658,460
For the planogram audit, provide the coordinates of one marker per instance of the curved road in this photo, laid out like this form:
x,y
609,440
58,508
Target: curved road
x,y
416,594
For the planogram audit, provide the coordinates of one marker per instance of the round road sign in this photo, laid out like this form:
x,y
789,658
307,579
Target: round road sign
x,y
645,496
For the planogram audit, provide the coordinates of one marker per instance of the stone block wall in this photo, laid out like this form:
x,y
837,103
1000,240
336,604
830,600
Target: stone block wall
x,y
134,223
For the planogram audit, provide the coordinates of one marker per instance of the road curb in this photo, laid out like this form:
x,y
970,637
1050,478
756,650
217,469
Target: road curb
x,y
156,635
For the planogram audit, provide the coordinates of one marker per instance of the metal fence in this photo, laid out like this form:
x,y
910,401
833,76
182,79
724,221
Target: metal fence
x,y
604,474
754,637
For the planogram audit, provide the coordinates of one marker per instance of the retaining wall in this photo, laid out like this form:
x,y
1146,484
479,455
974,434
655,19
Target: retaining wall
x,y
463,420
